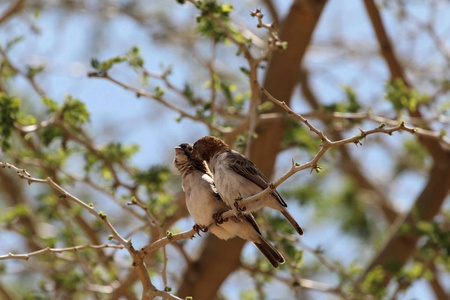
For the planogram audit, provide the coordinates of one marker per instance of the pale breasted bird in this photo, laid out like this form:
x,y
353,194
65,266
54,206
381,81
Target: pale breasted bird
x,y
203,201
236,177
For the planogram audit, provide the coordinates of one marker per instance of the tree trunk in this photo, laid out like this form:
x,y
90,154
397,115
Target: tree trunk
x,y
219,259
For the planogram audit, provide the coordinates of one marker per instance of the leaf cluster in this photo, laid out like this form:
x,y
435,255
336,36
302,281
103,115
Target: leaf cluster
x,y
132,57
350,104
403,97
211,11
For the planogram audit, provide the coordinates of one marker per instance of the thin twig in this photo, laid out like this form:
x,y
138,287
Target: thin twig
x,y
146,94
148,288
27,256
302,282
30,79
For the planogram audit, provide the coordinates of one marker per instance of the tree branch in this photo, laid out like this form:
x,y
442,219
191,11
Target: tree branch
x,y
15,8
159,99
149,289
57,250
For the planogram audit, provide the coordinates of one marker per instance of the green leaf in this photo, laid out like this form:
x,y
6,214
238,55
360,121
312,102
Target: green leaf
x,y
25,119
403,97
106,65
34,70
211,11
374,283
6,70
154,178
9,215
349,104
10,44
70,280
282,45
159,91
188,92
265,107
297,134
246,71
106,173
103,67
48,134
116,152
134,58
9,113
74,112
52,106
102,215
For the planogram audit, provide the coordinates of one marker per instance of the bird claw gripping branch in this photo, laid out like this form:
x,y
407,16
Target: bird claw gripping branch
x,y
238,207
218,218
197,228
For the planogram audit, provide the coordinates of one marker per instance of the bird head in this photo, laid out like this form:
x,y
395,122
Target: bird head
x,y
185,159
207,146
183,153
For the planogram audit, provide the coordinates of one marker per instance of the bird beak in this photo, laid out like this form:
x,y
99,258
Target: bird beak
x,y
178,150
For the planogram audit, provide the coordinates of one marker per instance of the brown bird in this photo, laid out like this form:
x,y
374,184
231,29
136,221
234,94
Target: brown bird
x,y
237,177
203,201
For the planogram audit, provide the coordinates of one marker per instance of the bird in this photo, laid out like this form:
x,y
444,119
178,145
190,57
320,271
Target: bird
x,y
237,177
203,201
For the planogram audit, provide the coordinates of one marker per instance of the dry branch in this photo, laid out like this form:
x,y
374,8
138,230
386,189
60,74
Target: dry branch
x,y
27,256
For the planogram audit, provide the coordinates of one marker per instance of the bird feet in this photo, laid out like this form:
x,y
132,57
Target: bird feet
x,y
197,228
238,207
218,217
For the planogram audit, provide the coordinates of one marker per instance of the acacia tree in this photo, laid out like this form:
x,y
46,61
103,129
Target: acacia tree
x,y
93,222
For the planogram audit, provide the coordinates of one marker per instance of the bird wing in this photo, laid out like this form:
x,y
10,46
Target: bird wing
x,y
246,168
212,185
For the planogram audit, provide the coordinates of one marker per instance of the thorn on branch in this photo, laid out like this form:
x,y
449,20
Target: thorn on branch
x,y
363,133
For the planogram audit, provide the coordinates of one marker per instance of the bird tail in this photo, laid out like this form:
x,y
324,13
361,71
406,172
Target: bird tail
x,y
273,256
291,220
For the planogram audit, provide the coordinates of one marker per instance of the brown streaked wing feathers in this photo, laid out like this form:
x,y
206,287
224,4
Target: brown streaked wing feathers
x,y
247,169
